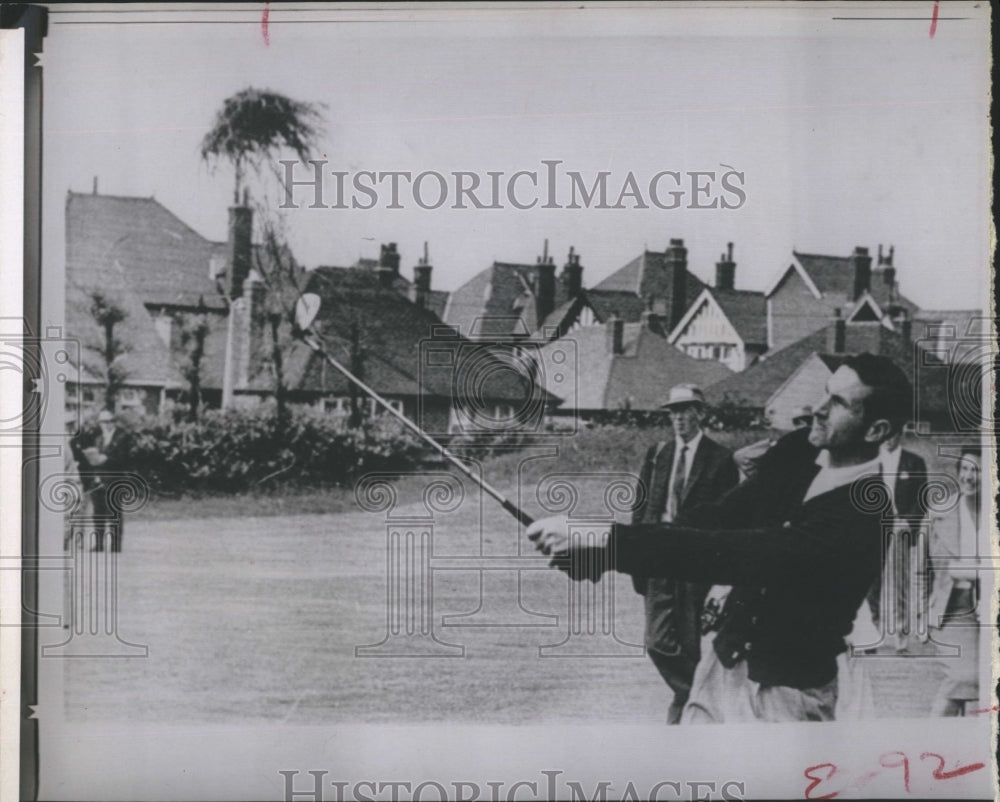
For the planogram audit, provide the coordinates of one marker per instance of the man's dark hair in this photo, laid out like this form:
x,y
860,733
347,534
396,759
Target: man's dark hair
x,y
892,394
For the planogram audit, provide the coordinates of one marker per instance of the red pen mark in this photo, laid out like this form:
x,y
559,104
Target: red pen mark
x,y
940,774
934,18
903,762
267,13
831,770
979,712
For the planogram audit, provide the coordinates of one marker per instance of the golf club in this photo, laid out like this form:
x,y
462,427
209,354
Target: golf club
x,y
306,309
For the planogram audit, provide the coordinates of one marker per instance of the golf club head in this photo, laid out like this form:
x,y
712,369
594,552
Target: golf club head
x,y
306,309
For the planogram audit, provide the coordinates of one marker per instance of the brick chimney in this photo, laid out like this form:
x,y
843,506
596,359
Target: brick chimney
x,y
388,265
837,335
615,335
653,322
240,249
888,270
572,275
422,280
238,263
249,322
725,270
545,285
861,264
675,260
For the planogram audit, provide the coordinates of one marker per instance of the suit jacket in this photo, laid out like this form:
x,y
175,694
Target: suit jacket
x,y
909,482
116,451
117,454
800,570
673,607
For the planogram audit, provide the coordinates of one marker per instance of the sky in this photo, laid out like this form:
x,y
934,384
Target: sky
x,y
847,132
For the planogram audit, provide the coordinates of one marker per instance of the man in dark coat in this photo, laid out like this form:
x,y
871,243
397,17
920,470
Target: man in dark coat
x,y
108,455
905,475
679,475
800,542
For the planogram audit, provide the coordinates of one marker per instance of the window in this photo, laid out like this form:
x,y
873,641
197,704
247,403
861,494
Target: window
x,y
130,398
335,406
375,408
163,324
503,412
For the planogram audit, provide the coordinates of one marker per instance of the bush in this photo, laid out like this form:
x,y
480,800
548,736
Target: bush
x,y
239,450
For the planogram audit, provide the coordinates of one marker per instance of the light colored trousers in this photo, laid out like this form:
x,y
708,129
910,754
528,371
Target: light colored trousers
x,y
728,695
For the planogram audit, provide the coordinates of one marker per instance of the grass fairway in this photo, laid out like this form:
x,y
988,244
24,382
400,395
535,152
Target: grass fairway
x,y
255,618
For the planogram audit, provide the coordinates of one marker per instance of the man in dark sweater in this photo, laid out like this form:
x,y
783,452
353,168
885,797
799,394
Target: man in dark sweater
x,y
800,542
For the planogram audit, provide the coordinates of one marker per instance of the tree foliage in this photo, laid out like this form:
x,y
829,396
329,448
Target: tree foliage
x,y
194,332
108,314
254,125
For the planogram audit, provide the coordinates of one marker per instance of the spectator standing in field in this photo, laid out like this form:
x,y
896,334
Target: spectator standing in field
x,y
679,474
954,601
108,455
800,542
905,475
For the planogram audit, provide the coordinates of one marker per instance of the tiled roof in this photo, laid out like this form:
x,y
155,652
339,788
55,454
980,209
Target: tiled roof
x,y
437,301
747,311
638,378
626,305
627,291
139,254
390,329
755,385
162,257
835,275
496,301
625,279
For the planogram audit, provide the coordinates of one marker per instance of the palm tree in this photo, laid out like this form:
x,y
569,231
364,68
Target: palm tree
x,y
253,125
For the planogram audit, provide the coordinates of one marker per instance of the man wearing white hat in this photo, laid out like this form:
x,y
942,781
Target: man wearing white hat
x,y
679,475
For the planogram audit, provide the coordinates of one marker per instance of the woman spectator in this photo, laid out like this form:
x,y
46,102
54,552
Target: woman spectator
x,y
954,619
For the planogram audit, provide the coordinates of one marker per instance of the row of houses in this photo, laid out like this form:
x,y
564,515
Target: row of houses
x,y
512,340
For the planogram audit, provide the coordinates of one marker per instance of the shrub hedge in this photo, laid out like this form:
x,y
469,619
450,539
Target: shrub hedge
x,y
240,450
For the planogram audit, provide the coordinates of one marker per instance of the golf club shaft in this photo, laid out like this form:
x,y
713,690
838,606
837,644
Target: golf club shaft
x,y
508,505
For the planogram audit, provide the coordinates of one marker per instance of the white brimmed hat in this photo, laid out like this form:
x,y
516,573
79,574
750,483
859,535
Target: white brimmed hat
x,y
684,394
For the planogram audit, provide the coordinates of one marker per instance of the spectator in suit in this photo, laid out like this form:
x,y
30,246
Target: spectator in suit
x,y
679,474
107,456
800,542
954,601
905,475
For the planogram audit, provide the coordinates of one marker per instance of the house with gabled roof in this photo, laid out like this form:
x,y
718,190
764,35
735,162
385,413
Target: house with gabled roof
x,y
518,300
621,365
382,337
652,282
803,296
418,290
159,270
724,323
785,380
156,268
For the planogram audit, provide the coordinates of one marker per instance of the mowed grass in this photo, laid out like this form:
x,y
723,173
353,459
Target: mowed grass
x,y
252,613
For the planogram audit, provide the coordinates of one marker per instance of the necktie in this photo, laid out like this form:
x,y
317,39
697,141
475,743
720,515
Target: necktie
x,y
677,484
